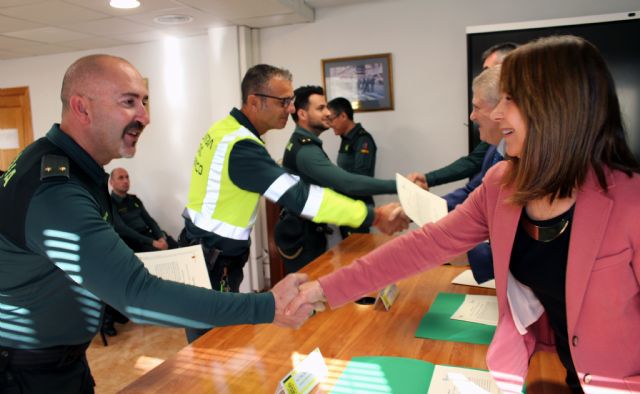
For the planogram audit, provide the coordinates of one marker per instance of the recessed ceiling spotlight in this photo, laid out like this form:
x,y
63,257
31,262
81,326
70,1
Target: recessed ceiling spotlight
x,y
127,4
174,19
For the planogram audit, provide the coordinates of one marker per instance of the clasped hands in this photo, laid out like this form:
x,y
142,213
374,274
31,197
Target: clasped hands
x,y
419,179
296,299
390,218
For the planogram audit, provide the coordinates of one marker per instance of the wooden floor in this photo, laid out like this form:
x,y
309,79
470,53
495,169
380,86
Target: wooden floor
x,y
135,350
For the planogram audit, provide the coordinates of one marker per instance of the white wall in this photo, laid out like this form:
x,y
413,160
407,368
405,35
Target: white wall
x,y
180,106
192,83
428,45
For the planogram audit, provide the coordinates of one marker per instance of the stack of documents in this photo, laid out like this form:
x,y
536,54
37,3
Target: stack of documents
x,y
184,265
479,316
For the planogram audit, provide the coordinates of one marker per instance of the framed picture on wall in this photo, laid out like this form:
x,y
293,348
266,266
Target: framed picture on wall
x,y
366,81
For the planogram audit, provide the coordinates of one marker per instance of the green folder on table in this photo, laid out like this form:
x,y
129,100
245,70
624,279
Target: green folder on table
x,y
385,375
437,323
399,375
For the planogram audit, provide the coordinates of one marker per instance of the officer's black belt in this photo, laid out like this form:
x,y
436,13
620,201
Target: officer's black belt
x,y
56,356
239,259
213,256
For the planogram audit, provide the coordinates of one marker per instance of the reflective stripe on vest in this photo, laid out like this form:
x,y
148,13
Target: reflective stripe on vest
x,y
280,186
314,201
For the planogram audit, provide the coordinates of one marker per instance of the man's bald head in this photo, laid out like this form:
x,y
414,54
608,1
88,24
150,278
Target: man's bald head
x,y
119,181
104,111
84,73
116,171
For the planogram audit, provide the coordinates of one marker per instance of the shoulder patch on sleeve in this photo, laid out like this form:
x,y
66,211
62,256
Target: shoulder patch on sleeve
x,y
54,167
364,147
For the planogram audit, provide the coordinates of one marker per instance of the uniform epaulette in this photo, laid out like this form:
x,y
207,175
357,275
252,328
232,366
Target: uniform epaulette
x,y
305,140
364,133
54,167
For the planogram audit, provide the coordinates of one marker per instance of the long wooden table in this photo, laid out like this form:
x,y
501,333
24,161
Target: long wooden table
x,y
254,358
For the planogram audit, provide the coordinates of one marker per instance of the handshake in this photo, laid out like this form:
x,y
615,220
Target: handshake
x,y
296,300
390,218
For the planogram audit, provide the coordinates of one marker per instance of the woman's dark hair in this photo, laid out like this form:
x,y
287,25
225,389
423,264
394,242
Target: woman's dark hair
x,y
567,97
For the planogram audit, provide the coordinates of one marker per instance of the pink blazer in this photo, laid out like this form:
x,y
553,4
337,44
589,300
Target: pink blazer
x,y
602,289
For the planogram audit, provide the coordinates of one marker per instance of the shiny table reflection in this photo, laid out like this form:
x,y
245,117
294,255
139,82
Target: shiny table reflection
x,y
254,358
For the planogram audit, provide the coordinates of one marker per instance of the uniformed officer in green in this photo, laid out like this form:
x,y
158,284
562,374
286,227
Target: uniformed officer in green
x,y
357,153
300,241
134,224
60,257
232,169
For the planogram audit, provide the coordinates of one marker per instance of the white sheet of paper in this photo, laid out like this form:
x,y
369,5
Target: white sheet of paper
x,y
305,376
420,205
9,139
481,309
455,380
466,278
184,265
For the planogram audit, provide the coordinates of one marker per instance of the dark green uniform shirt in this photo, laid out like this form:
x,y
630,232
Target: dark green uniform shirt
x,y
315,167
357,152
131,219
464,167
50,291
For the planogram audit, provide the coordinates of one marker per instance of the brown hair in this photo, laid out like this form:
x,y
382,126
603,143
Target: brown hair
x,y
257,79
567,98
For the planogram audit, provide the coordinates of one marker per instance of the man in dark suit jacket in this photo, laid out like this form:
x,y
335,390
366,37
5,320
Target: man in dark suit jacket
x,y
485,98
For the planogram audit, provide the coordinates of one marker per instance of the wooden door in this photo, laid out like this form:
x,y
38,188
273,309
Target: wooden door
x,y
15,114
276,267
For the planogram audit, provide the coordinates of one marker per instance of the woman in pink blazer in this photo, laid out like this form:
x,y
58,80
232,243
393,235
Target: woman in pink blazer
x,y
563,217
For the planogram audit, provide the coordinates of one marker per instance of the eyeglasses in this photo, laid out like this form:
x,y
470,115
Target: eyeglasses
x,y
284,101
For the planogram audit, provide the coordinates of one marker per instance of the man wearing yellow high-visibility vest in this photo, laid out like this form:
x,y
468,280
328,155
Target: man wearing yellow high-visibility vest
x,y
232,169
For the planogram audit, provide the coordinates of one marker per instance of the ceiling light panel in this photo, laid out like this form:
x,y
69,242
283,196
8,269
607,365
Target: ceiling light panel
x,y
145,6
94,43
109,26
53,13
124,4
200,19
12,24
47,35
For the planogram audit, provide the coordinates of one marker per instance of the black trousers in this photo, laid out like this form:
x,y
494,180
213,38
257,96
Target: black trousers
x,y
70,376
299,241
225,274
